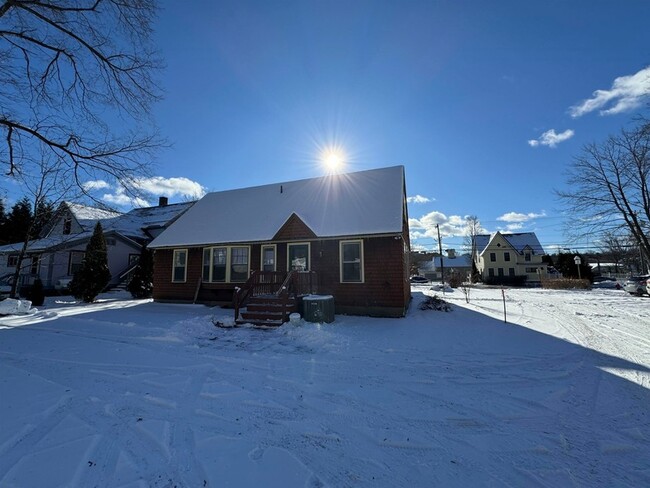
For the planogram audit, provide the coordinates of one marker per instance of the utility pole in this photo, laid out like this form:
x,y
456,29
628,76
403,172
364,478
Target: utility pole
x,y
442,266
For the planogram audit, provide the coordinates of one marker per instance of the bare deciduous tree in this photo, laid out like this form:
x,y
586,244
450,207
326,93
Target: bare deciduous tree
x,y
472,229
51,183
77,80
609,190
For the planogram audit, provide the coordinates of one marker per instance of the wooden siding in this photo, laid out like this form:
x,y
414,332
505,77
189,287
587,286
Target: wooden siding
x,y
294,229
384,292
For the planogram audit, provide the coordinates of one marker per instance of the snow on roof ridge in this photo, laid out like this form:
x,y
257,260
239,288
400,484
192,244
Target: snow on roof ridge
x,y
357,203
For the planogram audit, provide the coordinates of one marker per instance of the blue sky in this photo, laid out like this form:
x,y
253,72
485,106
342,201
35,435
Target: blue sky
x,y
453,90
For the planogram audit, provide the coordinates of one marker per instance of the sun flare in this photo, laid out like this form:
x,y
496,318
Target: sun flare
x,y
333,161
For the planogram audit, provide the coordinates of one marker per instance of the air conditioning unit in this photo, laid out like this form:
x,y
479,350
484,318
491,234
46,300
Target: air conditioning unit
x,y
318,308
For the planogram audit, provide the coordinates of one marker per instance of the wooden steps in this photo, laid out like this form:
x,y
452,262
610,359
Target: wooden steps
x,y
267,311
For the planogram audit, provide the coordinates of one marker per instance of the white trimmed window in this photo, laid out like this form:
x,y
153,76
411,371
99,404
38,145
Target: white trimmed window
x,y
226,264
268,258
351,259
179,266
299,253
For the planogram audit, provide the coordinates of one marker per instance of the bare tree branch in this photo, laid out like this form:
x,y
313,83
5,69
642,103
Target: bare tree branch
x,y
609,188
78,79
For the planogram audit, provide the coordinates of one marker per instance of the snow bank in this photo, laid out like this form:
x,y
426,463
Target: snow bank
x,y
11,306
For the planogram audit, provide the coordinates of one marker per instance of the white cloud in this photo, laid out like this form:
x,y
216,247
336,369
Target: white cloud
x,y
626,93
95,185
515,217
551,139
155,186
425,226
419,199
169,187
121,198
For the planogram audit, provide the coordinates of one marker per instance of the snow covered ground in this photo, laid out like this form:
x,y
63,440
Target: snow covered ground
x,y
128,393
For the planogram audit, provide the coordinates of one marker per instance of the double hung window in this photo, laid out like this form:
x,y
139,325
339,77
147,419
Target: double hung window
x,y
227,264
179,266
351,257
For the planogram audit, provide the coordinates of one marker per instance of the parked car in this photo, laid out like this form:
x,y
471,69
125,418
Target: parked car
x,y
636,285
605,282
62,284
418,279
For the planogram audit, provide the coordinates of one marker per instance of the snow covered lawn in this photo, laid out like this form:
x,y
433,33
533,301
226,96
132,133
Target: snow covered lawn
x,y
127,393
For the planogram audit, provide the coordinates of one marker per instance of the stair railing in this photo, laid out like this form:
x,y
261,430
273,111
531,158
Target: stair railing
x,y
259,283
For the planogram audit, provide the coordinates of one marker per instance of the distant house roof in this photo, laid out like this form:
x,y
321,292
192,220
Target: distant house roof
x,y
136,222
462,261
132,225
361,203
519,241
87,216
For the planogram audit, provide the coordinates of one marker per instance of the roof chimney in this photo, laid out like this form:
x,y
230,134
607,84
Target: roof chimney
x,y
451,253
163,201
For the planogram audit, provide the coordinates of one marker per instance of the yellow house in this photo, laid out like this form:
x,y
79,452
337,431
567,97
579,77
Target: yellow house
x,y
509,258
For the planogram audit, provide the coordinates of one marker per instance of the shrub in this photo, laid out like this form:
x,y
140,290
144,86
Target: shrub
x,y
506,280
37,294
566,284
435,303
455,280
141,284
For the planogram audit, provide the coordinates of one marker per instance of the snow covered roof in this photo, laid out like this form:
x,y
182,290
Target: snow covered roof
x,y
462,261
519,241
362,203
132,225
137,221
88,216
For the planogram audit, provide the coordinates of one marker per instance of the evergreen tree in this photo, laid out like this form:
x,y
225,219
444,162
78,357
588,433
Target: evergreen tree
x,y
141,285
565,264
42,215
94,274
19,221
3,223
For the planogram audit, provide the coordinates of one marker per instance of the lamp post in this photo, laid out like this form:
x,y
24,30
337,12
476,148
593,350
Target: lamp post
x,y
578,261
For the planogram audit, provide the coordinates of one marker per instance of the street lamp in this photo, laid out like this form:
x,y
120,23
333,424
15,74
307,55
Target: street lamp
x,y
578,261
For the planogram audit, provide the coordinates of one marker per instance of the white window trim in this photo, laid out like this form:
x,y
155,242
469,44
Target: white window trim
x,y
228,263
362,267
184,267
308,244
275,256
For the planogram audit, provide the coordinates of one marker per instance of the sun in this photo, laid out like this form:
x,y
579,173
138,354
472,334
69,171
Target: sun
x,y
333,160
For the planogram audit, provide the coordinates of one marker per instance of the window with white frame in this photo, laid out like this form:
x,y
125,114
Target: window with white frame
x,y
268,258
75,262
351,258
527,256
506,256
12,260
493,257
298,256
238,263
179,266
226,264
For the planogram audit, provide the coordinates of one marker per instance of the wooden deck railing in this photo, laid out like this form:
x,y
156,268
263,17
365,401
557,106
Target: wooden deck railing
x,y
282,285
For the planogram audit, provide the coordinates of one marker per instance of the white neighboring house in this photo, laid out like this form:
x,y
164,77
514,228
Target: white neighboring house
x,y
509,257
450,264
60,249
